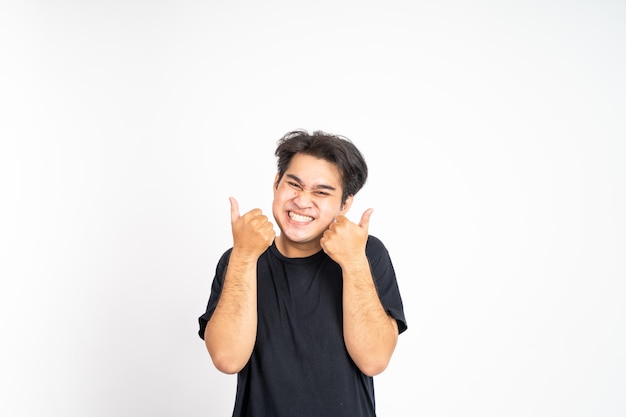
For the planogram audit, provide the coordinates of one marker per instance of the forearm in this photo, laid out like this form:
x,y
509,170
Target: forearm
x,y
231,332
370,334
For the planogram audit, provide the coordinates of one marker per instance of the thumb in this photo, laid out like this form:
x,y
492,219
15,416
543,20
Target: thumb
x,y
234,209
365,218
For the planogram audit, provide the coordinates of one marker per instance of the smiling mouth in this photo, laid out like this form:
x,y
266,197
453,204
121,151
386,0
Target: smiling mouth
x,y
299,218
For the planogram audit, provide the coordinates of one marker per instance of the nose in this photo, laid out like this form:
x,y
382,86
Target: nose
x,y
302,198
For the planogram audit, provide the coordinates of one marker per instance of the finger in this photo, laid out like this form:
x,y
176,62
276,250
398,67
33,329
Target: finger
x,y
365,218
340,218
234,209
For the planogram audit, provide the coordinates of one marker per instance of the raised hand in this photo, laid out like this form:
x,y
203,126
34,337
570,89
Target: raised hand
x,y
253,233
344,241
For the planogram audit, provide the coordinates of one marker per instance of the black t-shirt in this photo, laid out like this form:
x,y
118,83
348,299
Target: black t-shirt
x,y
300,366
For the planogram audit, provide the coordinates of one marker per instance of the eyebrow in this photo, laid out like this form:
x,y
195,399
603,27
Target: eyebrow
x,y
316,187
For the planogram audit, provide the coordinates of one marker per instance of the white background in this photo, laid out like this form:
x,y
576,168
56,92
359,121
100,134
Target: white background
x,y
496,137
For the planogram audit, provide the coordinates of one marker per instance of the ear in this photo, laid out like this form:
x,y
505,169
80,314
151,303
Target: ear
x,y
276,181
346,206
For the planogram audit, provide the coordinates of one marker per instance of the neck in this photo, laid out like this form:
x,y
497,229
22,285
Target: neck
x,y
292,249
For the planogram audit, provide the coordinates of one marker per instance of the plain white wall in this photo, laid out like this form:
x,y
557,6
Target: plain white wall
x,y
495,136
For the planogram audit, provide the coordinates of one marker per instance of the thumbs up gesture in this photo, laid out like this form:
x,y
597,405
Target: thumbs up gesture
x,y
253,233
344,241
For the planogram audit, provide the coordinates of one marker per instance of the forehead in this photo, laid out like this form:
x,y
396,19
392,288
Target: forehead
x,y
313,171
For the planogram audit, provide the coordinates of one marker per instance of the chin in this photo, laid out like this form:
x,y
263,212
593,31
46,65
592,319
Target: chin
x,y
299,238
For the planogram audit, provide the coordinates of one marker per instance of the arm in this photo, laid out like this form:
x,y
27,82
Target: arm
x,y
231,332
370,334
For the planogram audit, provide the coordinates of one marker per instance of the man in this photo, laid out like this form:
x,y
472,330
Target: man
x,y
306,317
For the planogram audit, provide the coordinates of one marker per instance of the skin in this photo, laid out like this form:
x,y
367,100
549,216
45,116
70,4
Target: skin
x,y
308,210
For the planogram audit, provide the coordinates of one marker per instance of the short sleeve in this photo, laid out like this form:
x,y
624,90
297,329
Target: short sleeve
x,y
385,280
216,291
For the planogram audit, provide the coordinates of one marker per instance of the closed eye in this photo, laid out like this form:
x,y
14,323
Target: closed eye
x,y
320,190
294,185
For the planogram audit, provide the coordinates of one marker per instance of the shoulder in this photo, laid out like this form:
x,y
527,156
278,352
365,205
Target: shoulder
x,y
375,249
226,256
374,244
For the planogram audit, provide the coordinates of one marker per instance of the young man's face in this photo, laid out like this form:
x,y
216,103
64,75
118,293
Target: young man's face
x,y
306,200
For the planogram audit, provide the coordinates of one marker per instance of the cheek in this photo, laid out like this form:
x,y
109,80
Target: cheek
x,y
281,195
330,209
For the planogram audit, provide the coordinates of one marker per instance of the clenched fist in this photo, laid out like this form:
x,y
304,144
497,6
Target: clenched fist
x,y
253,233
344,241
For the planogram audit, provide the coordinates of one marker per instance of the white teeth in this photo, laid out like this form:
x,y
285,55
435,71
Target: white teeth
x,y
299,217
